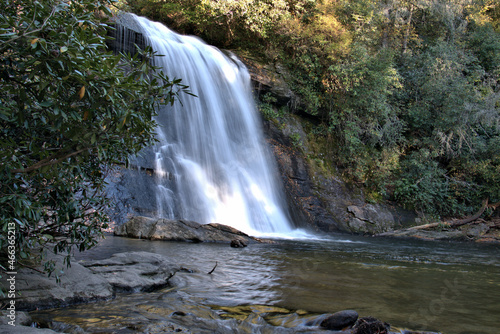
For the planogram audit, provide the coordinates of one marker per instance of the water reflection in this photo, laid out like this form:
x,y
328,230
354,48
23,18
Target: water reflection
x,y
452,287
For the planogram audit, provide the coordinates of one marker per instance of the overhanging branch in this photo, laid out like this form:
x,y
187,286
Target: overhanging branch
x,y
53,160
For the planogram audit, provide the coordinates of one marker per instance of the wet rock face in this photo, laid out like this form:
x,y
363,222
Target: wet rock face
x,y
306,207
320,202
316,201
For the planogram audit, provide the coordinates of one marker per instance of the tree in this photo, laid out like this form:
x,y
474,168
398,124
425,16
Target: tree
x,y
69,109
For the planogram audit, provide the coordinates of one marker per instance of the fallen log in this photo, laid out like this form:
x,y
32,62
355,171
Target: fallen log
x,y
452,223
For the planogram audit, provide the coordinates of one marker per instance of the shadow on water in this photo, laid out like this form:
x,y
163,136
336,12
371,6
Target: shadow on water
x,y
445,286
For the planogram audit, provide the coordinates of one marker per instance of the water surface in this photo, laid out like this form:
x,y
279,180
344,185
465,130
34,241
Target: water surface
x,y
441,286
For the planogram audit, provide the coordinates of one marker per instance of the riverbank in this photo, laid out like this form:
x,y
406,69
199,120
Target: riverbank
x,y
286,285
152,285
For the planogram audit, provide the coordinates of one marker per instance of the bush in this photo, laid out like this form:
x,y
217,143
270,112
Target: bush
x,y
69,109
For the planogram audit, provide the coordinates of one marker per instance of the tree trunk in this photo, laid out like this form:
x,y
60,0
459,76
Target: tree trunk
x,y
407,32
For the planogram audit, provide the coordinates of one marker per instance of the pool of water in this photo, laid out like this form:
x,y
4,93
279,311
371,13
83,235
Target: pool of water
x,y
452,287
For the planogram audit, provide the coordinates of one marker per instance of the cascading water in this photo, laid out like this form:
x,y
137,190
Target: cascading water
x,y
211,164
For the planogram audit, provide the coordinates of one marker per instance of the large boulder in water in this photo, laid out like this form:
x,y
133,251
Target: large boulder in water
x,y
181,230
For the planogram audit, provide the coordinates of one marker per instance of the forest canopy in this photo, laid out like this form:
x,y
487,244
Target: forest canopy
x,y
405,95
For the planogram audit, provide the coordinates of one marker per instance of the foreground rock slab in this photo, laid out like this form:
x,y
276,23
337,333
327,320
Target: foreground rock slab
x,y
76,285
134,271
91,281
181,230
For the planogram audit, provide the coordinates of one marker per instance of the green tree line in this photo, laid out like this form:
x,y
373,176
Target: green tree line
x,y
405,95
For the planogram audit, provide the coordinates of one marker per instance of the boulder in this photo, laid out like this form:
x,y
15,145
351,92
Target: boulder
x,y
181,230
21,318
340,320
371,219
76,285
134,271
477,230
236,243
89,281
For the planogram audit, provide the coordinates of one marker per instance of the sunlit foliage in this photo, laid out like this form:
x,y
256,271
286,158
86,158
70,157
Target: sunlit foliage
x,y
406,94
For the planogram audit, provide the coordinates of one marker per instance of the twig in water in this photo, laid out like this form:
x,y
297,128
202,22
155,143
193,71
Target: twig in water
x,y
211,271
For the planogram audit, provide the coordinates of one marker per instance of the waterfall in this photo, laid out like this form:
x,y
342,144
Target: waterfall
x,y
211,163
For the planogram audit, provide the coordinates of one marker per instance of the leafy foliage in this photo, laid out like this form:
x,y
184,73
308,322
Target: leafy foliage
x,y
68,110
225,22
407,92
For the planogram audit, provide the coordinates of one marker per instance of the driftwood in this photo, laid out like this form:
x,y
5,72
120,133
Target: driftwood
x,y
452,223
211,271
455,222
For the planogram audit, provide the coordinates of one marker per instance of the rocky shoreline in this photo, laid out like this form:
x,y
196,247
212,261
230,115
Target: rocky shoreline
x,y
167,307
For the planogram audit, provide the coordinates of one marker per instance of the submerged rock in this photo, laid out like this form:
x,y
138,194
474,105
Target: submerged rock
x,y
181,230
236,243
370,325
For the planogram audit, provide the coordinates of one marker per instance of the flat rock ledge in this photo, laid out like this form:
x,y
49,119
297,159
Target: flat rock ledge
x,y
91,281
77,284
181,230
134,271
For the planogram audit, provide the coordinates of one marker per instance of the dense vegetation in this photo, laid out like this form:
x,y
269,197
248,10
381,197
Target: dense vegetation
x,y
405,95
69,109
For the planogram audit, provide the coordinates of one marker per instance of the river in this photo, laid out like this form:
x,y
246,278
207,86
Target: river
x,y
451,287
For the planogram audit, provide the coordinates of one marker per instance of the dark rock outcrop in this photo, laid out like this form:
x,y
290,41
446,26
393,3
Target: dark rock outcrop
x,y
269,79
181,230
317,200
340,320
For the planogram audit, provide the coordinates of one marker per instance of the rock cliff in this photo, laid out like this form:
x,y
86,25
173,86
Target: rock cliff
x,y
319,201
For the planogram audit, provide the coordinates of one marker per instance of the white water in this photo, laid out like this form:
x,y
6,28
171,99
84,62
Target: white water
x,y
211,163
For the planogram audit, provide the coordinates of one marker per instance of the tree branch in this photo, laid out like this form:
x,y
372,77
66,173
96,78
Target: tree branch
x,y
33,31
53,160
